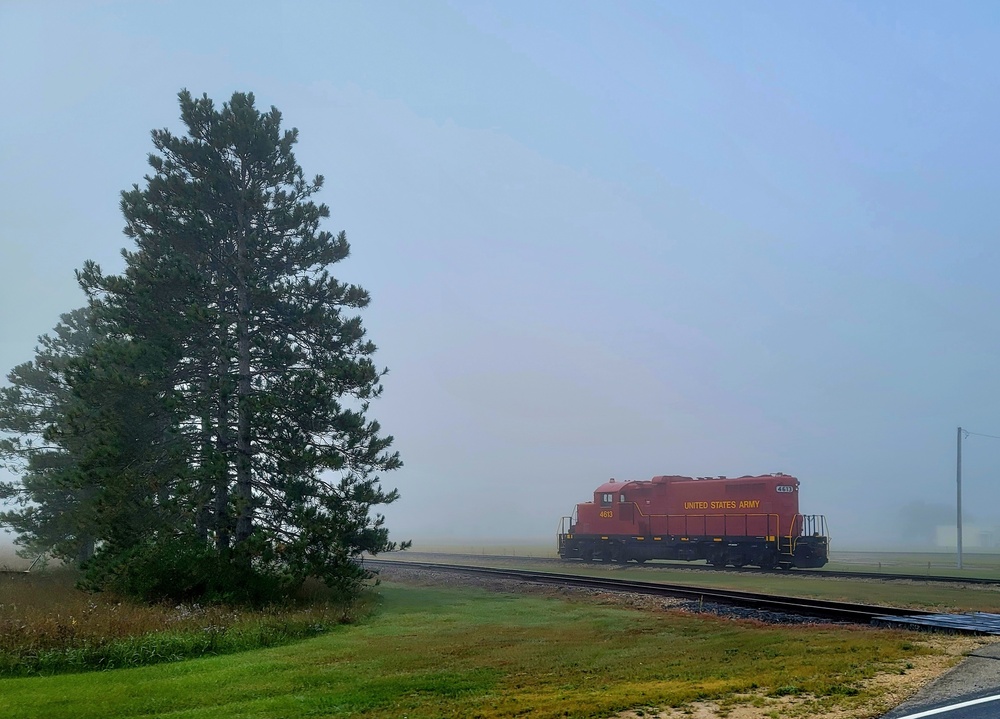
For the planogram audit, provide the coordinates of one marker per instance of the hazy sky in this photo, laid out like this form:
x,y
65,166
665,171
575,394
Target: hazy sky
x,y
602,239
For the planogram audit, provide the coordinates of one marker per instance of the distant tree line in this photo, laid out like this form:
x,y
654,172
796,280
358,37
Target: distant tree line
x,y
200,429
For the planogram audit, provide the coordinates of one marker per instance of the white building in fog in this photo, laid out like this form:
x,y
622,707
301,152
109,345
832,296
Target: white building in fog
x,y
974,536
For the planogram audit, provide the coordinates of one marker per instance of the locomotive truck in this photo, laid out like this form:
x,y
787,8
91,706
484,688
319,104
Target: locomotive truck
x,y
735,522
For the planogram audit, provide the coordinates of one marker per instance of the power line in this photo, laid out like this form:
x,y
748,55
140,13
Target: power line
x,y
978,434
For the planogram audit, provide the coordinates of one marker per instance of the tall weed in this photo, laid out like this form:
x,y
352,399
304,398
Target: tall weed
x,y
48,626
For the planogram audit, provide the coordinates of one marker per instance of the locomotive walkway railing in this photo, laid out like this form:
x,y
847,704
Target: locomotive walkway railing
x,y
744,524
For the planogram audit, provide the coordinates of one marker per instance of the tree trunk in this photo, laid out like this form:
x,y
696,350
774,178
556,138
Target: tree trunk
x,y
203,511
244,488
86,550
222,444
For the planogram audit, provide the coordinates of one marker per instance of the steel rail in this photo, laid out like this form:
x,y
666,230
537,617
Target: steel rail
x,y
816,608
832,573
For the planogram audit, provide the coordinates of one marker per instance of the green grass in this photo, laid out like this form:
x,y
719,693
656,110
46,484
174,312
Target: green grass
x,y
936,597
497,548
943,562
434,652
977,564
984,565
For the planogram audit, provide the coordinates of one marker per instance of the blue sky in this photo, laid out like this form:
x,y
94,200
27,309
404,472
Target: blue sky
x,y
602,239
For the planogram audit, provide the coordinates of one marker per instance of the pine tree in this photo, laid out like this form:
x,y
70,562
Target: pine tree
x,y
53,503
263,370
92,441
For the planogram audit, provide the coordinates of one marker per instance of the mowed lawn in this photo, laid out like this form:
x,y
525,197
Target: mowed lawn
x,y
464,652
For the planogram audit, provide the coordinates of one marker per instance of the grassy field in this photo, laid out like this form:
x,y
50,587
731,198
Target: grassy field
x,y
975,563
937,597
459,652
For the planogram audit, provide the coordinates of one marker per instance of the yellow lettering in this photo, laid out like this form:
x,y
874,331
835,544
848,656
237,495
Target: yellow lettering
x,y
724,504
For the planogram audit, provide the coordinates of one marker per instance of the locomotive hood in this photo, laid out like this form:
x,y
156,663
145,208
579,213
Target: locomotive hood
x,y
617,485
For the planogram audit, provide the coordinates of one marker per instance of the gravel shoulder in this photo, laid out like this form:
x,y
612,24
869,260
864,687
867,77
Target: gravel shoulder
x,y
978,674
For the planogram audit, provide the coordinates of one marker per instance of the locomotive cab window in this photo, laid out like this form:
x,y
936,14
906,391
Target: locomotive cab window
x,y
607,499
621,498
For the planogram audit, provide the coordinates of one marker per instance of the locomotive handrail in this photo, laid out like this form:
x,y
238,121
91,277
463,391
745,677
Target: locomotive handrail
x,y
790,536
725,516
806,519
560,535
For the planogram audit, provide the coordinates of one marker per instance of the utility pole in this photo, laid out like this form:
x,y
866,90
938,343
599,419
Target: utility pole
x,y
958,479
958,482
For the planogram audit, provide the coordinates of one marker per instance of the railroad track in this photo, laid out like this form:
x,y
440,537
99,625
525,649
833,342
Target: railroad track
x,y
978,623
838,574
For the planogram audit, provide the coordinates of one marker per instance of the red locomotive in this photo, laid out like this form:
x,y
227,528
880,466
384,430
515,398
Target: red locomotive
x,y
742,521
